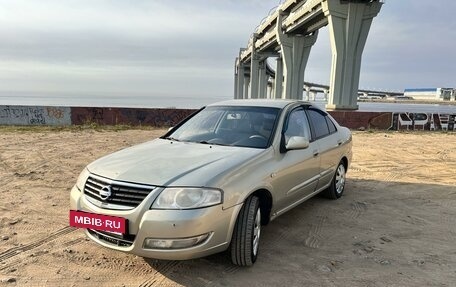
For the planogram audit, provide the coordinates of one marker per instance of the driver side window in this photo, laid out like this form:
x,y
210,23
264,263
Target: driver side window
x,y
297,125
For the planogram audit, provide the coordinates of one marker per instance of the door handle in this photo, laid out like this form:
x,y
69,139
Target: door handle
x,y
339,142
316,153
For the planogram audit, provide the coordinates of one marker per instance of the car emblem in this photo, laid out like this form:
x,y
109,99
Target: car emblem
x,y
105,192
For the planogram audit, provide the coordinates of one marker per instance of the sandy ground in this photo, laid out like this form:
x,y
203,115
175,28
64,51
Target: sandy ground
x,y
395,225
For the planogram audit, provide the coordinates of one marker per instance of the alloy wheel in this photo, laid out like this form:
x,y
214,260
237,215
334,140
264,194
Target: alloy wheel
x,y
340,179
256,232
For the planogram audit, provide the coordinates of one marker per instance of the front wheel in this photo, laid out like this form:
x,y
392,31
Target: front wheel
x,y
336,189
246,234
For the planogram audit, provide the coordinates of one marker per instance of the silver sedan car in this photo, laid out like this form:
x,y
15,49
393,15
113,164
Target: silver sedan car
x,y
211,182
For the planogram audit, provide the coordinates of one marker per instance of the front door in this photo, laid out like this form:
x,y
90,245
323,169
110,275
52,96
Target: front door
x,y
297,170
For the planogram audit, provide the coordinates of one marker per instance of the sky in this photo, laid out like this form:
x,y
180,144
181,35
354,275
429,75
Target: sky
x,y
162,48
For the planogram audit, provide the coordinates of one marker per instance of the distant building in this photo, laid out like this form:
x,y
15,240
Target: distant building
x,y
435,94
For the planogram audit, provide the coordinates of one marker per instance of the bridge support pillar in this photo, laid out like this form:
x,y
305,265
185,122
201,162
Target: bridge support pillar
x,y
349,24
307,89
236,81
246,87
278,81
254,76
295,50
263,80
326,93
313,96
240,82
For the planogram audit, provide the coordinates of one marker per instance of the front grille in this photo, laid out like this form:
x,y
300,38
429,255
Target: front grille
x,y
107,192
125,241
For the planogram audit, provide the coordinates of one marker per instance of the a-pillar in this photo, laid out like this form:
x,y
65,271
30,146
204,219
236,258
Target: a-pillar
x,y
349,24
295,50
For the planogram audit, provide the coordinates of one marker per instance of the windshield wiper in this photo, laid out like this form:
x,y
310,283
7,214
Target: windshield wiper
x,y
172,139
206,142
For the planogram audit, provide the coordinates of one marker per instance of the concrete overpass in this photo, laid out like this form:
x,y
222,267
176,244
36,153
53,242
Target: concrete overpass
x,y
289,32
320,88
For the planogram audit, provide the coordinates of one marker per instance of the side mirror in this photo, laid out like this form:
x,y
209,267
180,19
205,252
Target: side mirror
x,y
297,143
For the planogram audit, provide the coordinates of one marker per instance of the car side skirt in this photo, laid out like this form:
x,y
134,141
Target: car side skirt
x,y
291,206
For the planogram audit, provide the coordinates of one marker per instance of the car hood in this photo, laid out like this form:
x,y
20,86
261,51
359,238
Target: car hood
x,y
168,163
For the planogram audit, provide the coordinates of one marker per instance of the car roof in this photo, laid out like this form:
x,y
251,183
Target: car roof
x,y
272,103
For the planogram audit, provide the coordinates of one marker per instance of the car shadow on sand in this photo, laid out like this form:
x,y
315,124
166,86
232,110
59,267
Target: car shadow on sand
x,y
323,242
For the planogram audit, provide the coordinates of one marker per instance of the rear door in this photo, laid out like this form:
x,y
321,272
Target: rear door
x,y
324,132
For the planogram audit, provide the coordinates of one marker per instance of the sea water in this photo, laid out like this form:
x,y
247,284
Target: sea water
x,y
186,102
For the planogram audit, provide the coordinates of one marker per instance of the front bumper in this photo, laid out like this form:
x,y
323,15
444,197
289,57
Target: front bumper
x,y
164,224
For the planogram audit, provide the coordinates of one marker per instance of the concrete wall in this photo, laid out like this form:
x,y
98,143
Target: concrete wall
x,y
356,119
129,116
33,115
60,116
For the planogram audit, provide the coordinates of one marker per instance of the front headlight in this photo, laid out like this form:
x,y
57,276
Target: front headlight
x,y
187,198
82,179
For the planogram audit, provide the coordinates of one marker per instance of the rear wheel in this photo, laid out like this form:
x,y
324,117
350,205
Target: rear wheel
x,y
336,189
246,235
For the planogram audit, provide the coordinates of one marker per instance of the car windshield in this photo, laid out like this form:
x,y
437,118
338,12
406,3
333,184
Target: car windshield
x,y
228,125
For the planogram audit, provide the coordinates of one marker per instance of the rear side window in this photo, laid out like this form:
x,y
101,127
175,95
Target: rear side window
x,y
318,122
331,125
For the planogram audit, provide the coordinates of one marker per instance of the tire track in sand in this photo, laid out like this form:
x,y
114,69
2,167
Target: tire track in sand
x,y
314,237
159,275
18,250
448,219
357,209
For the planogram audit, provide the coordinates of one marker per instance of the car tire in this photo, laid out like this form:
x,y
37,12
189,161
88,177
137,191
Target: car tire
x,y
246,234
337,187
